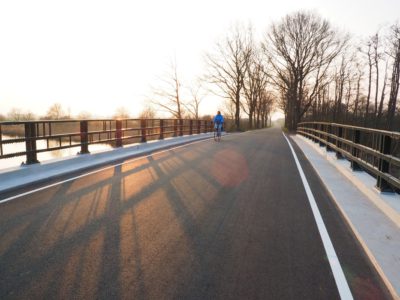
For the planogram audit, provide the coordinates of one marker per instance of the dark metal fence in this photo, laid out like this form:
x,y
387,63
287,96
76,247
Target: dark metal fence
x,y
375,151
82,133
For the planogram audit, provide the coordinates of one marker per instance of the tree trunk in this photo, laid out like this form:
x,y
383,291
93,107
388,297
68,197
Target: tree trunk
x,y
250,120
394,90
369,91
376,58
237,112
380,109
357,98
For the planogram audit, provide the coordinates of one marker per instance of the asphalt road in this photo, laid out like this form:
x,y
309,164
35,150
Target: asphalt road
x,y
228,220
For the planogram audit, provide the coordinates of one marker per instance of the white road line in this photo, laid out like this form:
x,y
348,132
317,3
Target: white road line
x,y
97,171
337,270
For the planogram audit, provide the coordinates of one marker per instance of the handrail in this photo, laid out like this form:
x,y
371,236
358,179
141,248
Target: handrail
x,y
370,149
82,133
365,129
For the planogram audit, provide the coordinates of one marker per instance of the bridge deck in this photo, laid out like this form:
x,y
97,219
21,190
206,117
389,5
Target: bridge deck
x,y
227,220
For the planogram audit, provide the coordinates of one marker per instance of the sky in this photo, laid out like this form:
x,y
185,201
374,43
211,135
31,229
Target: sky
x,y
97,56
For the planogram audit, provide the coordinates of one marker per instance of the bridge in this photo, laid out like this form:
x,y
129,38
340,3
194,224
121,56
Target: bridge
x,y
260,215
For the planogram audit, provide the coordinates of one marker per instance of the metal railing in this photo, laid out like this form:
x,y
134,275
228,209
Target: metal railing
x,y
82,133
376,151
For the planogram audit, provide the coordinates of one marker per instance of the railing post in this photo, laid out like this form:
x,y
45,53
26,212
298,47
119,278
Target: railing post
x,y
354,151
385,143
84,128
198,126
175,127
143,129
321,135
30,142
180,127
328,138
339,134
161,129
118,133
1,143
190,127
314,133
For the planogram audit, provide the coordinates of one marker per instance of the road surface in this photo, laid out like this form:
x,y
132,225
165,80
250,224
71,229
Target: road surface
x,y
228,220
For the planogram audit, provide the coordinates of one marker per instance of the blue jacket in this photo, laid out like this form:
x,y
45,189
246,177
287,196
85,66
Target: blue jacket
x,y
218,119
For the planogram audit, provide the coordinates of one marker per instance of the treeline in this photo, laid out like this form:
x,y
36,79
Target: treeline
x,y
322,74
54,112
235,71
311,71
57,112
238,72
363,88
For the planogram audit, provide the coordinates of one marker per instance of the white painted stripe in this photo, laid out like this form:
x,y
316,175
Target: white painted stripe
x,y
97,171
337,270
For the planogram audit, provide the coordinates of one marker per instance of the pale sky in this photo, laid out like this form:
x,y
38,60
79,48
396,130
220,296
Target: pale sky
x,y
99,55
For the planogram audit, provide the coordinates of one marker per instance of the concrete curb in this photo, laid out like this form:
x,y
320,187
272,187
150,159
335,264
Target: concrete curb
x,y
372,195
20,177
363,244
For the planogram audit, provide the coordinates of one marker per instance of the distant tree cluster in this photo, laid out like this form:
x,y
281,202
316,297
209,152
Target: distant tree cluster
x,y
56,112
121,113
302,65
16,114
323,75
238,72
311,71
363,86
148,113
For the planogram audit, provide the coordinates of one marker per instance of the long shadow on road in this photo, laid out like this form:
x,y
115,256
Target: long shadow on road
x,y
74,240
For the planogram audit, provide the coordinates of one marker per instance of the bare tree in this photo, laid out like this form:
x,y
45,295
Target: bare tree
x,y
357,97
369,54
264,108
196,97
383,95
256,81
30,116
227,66
168,95
301,49
121,113
17,114
148,113
395,80
56,112
350,79
339,80
84,115
377,57
228,109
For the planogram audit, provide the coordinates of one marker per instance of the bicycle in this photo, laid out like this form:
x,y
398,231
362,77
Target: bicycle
x,y
217,132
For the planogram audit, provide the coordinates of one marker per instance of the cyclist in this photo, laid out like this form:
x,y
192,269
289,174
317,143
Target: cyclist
x,y
218,123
